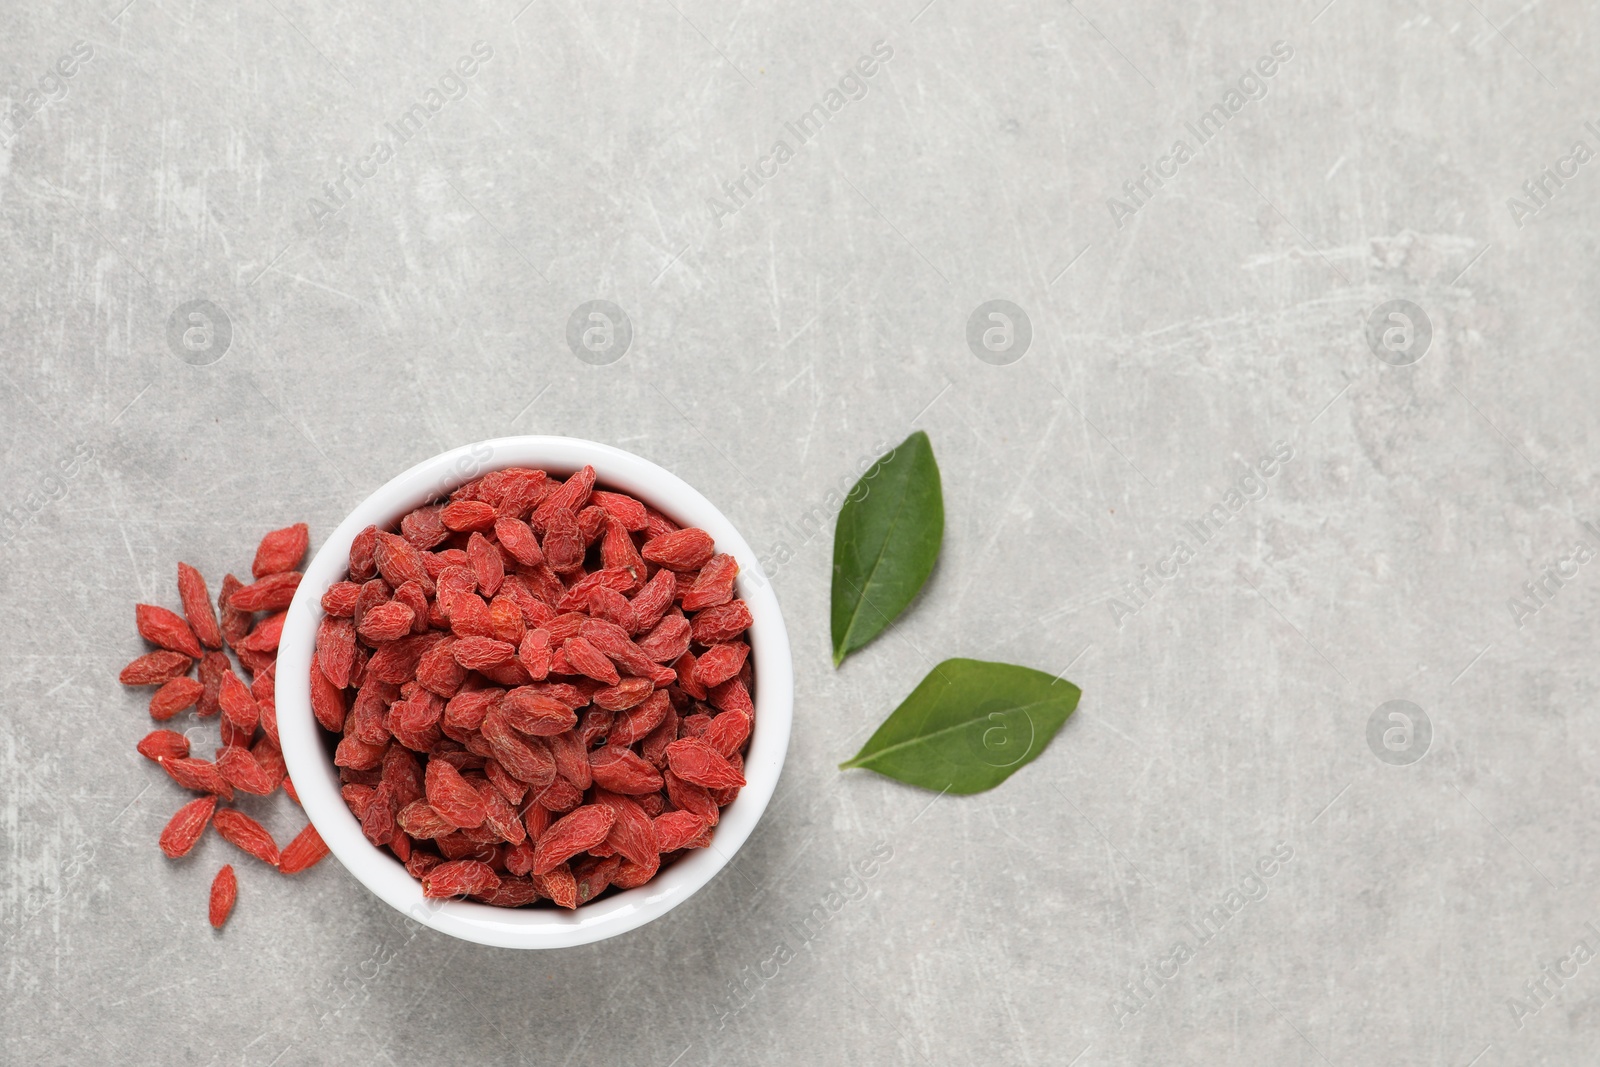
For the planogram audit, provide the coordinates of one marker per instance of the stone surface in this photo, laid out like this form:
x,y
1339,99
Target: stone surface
x,y
195,352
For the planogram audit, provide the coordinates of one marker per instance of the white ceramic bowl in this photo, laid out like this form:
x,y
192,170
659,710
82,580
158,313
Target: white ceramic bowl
x,y
316,779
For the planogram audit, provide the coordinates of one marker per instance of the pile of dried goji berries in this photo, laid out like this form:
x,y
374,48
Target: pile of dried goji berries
x,y
249,760
540,689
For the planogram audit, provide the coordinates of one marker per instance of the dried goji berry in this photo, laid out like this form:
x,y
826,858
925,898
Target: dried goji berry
x,y
197,609
197,774
304,851
622,770
164,744
155,668
224,892
678,829
185,828
713,585
722,623
719,663
244,773
166,629
272,593
578,831
681,550
458,878
239,829
173,697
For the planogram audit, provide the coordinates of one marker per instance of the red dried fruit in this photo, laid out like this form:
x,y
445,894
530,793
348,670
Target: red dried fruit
x,y
438,672
399,561
572,759
386,622
224,892
459,721
534,653
396,662
563,542
425,527
714,626
464,515
631,875
719,663
166,629
506,620
488,566
622,770
306,850
272,593
559,886
452,796
531,712
713,585
589,661
470,617
281,550
612,606
163,744
196,774
340,599
517,538
678,829
327,700
185,828
576,832
264,637
654,746
241,830
336,649
636,723
628,693
525,759
458,878
357,754
511,893
242,771
727,733
412,596
652,602
213,665
668,641
237,703
625,509
697,763
197,609
155,668
594,875
631,834
235,623
362,554
499,816
690,797
173,697
476,653
420,820
560,795
733,696
681,550
618,552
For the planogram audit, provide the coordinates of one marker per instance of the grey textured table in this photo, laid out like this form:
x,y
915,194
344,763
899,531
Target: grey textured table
x,y
260,257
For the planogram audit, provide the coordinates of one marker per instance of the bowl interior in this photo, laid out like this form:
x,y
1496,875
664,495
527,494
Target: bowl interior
x,y
317,780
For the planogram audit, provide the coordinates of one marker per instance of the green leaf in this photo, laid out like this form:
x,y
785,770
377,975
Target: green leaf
x,y
968,726
885,543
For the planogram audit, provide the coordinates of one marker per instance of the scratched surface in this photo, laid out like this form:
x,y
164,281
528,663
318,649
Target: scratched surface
x,y
259,257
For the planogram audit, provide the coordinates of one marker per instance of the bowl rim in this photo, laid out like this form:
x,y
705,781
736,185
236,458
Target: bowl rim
x,y
316,778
